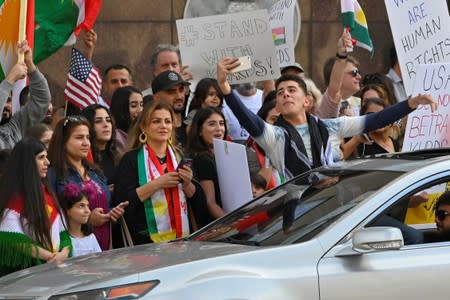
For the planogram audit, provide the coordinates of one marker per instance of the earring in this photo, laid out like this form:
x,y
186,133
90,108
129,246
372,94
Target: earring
x,y
143,138
169,141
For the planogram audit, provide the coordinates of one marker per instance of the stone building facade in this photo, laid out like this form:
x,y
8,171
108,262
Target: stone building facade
x,y
128,31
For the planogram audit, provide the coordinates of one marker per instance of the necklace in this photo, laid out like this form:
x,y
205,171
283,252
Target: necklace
x,y
162,160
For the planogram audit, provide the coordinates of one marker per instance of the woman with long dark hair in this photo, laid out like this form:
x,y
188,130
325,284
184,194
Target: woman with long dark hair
x,y
126,105
102,135
208,123
68,154
375,142
30,216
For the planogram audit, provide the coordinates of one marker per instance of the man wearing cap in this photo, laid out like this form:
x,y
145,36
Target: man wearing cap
x,y
169,86
293,69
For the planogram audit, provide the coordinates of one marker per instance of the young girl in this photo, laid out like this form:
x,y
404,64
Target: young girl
x,y
207,94
75,204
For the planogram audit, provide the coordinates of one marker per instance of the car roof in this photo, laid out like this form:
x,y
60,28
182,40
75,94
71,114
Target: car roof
x,y
398,161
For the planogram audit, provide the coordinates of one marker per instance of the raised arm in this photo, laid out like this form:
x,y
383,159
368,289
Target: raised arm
x,y
17,72
34,111
251,122
394,112
90,41
329,106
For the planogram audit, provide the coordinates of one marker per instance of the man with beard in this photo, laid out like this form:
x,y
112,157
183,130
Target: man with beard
x,y
7,109
169,86
14,126
252,98
442,219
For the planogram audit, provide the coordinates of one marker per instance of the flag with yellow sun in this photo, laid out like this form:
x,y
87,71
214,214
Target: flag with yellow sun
x,y
354,19
56,23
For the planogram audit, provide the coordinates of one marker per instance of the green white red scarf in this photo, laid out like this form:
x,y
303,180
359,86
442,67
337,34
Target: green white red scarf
x,y
166,210
17,241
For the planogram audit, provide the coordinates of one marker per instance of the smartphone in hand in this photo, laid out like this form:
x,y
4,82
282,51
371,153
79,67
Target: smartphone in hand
x,y
246,63
185,162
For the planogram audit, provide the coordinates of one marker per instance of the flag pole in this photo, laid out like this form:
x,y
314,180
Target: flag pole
x,y
22,25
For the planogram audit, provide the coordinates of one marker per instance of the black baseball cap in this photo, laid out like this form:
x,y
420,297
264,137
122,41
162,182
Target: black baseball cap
x,y
166,80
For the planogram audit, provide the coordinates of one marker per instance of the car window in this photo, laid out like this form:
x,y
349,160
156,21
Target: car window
x,y
297,211
414,214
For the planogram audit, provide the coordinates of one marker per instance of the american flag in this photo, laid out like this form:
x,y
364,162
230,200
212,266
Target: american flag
x,y
84,84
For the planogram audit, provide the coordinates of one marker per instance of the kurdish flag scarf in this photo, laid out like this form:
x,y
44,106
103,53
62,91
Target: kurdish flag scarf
x,y
166,210
17,240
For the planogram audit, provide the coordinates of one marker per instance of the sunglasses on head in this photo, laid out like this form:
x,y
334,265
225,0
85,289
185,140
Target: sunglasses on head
x,y
442,214
74,118
354,72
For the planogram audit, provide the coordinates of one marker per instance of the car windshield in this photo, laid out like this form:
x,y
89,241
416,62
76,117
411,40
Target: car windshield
x,y
298,210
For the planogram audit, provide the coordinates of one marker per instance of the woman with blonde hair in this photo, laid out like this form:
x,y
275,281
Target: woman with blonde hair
x,y
151,179
314,95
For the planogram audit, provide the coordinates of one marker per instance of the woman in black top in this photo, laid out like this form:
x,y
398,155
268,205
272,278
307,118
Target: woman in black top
x,y
208,123
375,142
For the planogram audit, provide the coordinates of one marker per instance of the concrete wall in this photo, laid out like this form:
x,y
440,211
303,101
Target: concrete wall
x,y
128,31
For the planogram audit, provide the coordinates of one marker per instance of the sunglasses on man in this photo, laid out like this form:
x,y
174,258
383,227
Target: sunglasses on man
x,y
441,214
354,73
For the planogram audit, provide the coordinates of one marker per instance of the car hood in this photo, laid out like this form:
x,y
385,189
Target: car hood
x,y
109,267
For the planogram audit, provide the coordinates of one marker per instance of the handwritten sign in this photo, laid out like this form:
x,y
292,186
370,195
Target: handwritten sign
x,y
281,17
421,31
234,182
205,40
424,129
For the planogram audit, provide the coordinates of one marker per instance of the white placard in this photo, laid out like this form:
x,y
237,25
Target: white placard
x,y
233,174
424,129
281,17
421,32
205,40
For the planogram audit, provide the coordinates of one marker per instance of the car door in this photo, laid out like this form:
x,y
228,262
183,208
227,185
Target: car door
x,y
411,272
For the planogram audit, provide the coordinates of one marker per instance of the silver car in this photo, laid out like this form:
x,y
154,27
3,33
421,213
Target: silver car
x,y
332,233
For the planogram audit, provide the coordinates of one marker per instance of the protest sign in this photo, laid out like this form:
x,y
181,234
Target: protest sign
x,y
205,40
421,32
424,129
233,174
281,17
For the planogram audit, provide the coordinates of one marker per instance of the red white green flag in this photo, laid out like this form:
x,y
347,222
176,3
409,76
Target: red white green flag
x,y
354,19
56,23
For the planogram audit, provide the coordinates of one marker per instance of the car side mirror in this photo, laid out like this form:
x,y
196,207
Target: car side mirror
x,y
373,239
377,239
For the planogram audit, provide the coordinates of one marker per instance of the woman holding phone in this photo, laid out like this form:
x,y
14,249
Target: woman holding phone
x,y
68,154
156,187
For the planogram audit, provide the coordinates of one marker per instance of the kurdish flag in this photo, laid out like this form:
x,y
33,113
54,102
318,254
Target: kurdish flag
x,y
353,18
56,23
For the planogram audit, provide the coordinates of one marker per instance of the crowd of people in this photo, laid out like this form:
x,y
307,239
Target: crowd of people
x,y
73,173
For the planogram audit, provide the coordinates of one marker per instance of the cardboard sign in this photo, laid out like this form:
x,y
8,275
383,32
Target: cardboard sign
x,y
233,174
281,17
424,129
421,32
205,40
